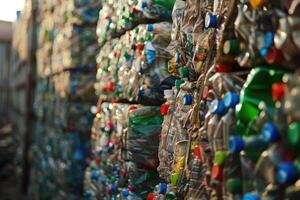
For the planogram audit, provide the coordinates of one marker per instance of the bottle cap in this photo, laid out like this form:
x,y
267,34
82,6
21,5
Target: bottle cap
x,y
217,107
270,133
293,136
210,20
95,175
250,196
110,124
217,172
197,152
113,188
133,10
278,91
141,71
234,185
231,99
187,99
257,3
268,39
235,144
231,46
285,173
178,83
125,192
150,196
174,178
140,46
170,196
263,52
223,68
144,4
164,109
103,181
162,188
168,93
149,27
274,56
220,157
140,93
133,46
184,72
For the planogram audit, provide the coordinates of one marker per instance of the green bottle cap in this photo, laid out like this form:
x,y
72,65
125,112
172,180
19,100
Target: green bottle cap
x,y
230,46
170,196
220,157
297,165
234,185
293,136
178,83
174,178
184,72
113,179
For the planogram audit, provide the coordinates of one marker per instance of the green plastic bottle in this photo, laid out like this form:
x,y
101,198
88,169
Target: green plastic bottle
x,y
257,88
167,4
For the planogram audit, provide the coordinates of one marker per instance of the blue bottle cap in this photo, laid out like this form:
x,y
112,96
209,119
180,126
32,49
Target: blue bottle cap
x,y
95,175
270,133
268,39
217,107
113,188
125,192
114,168
210,20
250,196
141,70
140,93
231,99
187,99
263,52
162,188
144,4
149,27
151,55
236,144
103,181
285,173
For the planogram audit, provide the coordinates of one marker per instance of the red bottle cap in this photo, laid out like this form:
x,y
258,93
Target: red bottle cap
x,y
139,48
278,91
111,86
217,172
274,56
116,54
130,188
133,10
110,124
131,108
197,152
150,196
223,68
164,108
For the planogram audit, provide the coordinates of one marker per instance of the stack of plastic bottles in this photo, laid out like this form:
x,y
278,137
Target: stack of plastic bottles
x,y
130,82
66,63
231,124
